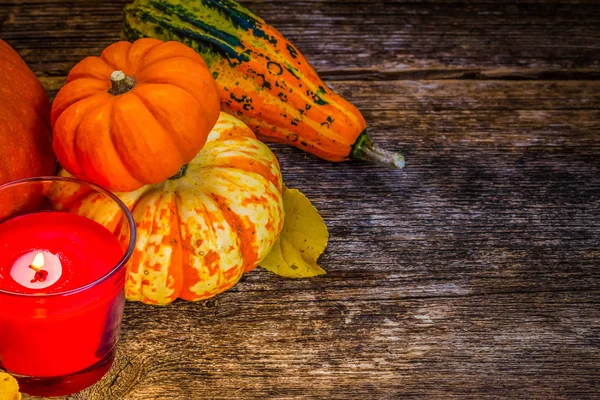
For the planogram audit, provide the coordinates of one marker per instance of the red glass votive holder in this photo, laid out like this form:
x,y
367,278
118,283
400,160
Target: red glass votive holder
x,y
62,272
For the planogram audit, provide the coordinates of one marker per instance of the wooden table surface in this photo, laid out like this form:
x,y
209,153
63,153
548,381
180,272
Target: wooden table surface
x,y
473,273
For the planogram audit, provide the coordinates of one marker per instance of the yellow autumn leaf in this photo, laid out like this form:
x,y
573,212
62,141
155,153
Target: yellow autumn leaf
x,y
302,240
9,387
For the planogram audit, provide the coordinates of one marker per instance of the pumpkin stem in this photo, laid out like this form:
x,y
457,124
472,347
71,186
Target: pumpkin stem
x,y
365,149
179,173
121,83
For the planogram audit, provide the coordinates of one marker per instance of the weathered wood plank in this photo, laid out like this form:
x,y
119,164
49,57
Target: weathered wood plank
x,y
501,181
358,39
536,346
473,273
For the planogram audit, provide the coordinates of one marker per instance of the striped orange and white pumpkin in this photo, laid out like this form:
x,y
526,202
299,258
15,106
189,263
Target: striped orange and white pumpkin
x,y
199,231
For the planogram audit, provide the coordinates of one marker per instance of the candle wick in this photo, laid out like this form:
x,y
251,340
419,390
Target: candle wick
x,y
33,267
37,264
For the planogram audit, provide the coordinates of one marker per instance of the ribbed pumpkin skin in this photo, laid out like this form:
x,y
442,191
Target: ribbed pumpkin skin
x,y
262,78
142,136
199,232
25,136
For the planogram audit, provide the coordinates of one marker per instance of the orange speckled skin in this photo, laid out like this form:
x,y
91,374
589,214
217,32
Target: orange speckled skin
x,y
297,108
198,233
143,136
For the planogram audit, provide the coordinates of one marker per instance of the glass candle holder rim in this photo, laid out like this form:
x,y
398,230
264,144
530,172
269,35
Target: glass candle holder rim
x,y
127,214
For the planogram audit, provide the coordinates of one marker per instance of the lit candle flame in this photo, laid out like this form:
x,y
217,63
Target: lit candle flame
x,y
38,262
36,269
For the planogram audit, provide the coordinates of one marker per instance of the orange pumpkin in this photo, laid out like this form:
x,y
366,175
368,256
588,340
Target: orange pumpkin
x,y
200,230
25,138
134,115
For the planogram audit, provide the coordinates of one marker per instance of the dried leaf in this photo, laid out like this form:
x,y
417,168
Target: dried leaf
x,y
302,240
9,387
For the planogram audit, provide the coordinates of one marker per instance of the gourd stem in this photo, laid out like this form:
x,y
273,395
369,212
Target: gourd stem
x,y
179,173
120,83
365,149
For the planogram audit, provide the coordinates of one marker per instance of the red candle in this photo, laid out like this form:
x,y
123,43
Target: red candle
x,y
57,326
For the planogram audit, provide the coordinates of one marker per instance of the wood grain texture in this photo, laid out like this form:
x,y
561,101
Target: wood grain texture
x,y
472,273
356,39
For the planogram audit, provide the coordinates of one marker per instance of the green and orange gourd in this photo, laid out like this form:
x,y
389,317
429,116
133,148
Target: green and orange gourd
x,y
262,78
